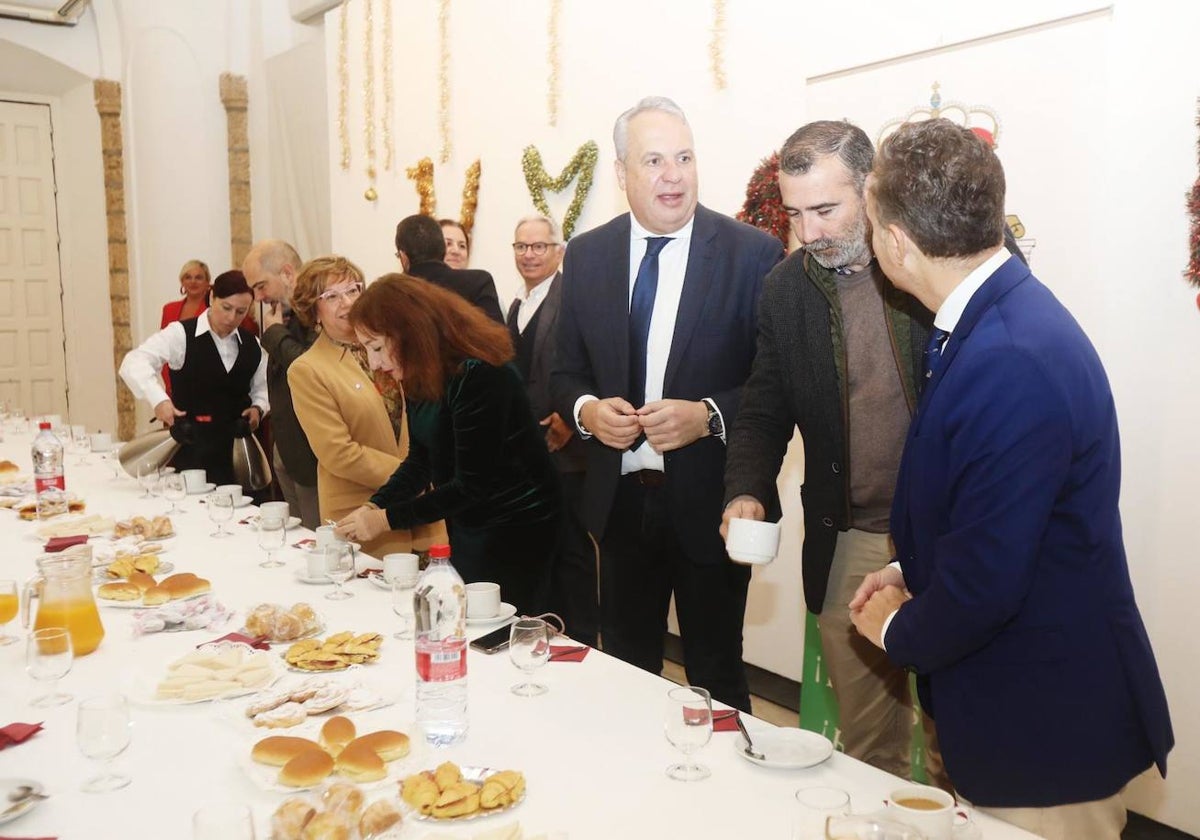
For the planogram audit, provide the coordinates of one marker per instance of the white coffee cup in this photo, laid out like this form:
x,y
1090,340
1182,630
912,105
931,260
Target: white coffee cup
x,y
196,480
234,491
275,510
326,536
751,541
101,442
930,810
315,564
401,566
483,600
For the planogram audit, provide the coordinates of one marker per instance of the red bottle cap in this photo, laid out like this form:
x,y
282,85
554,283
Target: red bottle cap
x,y
45,427
439,551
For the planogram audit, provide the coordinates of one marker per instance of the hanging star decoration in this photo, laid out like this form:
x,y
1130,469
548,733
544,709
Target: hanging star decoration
x,y
421,174
538,180
763,207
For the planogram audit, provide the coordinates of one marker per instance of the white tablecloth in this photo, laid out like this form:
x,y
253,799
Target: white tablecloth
x,y
592,748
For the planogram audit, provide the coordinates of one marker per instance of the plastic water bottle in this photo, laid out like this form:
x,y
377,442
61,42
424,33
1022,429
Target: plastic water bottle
x,y
49,482
440,610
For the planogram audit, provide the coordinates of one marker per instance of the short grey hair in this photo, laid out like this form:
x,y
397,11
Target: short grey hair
x,y
555,231
823,138
650,103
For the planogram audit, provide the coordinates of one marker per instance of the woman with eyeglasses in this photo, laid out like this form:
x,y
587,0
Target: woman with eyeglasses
x,y
474,439
358,442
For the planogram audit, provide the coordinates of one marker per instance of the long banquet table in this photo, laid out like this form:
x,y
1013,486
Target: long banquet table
x,y
592,748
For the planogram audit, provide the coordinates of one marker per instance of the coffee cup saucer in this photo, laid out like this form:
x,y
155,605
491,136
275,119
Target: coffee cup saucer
x,y
507,611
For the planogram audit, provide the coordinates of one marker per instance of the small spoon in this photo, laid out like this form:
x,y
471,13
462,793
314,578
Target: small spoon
x,y
749,749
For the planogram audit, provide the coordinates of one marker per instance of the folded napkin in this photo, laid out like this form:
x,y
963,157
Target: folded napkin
x,y
304,543
568,653
17,733
257,642
59,543
725,720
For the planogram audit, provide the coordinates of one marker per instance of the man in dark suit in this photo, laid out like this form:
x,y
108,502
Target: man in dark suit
x,y
1011,595
533,324
421,249
656,338
839,358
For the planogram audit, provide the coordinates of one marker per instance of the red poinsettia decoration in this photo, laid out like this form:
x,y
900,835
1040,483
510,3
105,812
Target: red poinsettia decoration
x,y
763,207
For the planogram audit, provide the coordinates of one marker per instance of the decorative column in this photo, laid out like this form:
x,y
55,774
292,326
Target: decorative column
x,y
236,100
108,105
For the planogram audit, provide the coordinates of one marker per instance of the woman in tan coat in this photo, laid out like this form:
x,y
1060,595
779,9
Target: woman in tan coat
x,y
346,420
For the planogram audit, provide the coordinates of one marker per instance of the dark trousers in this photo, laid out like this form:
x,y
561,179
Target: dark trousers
x,y
641,563
573,578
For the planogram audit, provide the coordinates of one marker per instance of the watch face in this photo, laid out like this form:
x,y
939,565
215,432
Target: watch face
x,y
715,427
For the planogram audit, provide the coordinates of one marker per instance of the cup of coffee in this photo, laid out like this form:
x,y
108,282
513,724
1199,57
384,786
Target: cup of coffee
x,y
928,809
751,541
326,536
275,510
234,491
196,480
403,567
483,600
101,442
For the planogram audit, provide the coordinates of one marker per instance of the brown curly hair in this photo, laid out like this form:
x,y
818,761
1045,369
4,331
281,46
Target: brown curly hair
x,y
314,278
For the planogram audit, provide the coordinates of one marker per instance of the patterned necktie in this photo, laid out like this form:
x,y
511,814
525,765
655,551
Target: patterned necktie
x,y
641,308
933,350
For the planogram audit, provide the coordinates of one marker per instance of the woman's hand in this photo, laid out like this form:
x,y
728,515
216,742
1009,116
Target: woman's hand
x,y
362,525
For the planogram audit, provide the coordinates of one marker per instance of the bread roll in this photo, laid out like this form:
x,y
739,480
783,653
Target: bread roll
x,y
361,763
289,819
156,595
306,769
337,732
7,466
119,591
327,826
278,750
184,585
343,798
378,818
142,580
388,743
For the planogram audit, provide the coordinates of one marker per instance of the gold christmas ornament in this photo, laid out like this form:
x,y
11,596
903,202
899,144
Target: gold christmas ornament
x,y
370,194
538,180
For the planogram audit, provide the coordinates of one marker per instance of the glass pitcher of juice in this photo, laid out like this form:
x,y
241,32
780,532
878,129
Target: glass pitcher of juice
x,y
63,586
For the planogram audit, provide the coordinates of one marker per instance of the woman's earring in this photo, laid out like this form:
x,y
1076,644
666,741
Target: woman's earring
x,y
182,290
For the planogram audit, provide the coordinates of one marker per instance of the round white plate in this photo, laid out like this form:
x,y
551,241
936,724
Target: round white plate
x,y
9,785
786,749
302,576
507,611
242,502
206,488
308,543
376,578
142,684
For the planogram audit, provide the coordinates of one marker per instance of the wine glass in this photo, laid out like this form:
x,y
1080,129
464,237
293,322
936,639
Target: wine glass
x,y
529,649
48,657
402,605
688,728
339,568
220,511
272,534
8,608
174,490
82,444
147,476
814,806
102,731
225,821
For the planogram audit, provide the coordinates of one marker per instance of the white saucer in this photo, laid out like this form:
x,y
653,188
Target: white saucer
x,y
245,500
785,748
376,578
292,522
206,488
302,576
507,611
9,785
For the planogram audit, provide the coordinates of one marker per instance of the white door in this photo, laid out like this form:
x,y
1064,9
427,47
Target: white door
x,y
32,352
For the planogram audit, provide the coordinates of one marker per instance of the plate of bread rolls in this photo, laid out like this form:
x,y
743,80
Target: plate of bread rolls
x,y
453,793
142,590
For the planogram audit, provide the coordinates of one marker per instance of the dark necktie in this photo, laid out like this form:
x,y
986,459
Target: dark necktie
x,y
641,308
933,350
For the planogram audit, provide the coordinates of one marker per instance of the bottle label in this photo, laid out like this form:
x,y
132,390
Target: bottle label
x,y
442,661
49,482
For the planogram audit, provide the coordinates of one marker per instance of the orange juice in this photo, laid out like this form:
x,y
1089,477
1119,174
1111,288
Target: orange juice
x,y
80,617
8,607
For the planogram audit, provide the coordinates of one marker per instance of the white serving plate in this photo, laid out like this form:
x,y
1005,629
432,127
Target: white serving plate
x,y
142,683
786,748
477,775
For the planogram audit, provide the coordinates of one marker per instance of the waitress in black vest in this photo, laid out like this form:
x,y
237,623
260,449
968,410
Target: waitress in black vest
x,y
218,376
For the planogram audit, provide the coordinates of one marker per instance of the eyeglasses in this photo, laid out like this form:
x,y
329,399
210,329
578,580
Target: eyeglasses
x,y
349,293
538,248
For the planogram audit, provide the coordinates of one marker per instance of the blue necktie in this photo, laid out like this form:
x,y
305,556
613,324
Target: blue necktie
x,y
933,350
641,308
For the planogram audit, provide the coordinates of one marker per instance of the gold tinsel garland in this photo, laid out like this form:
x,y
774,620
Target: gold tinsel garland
x,y
444,78
369,98
422,175
716,47
389,148
538,180
553,59
343,83
470,197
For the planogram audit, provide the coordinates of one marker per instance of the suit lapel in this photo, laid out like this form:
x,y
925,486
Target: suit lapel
x,y
697,279
548,317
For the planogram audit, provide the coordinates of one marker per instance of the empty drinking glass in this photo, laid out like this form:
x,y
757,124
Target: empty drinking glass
x,y
82,443
339,568
688,727
220,511
272,534
174,490
48,658
102,731
8,608
529,649
147,476
402,606
814,805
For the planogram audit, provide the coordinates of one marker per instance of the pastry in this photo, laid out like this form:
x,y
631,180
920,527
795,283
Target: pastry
x,y
336,733
329,697
260,620
359,762
289,819
343,798
459,799
287,627
119,591
307,768
500,789
281,717
278,750
388,743
147,562
378,818
420,791
326,826
309,687
267,701
446,774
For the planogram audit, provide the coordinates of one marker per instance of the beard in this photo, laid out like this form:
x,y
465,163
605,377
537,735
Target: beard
x,y
835,252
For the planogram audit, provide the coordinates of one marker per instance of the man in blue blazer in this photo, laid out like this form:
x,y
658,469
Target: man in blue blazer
x,y
1011,595
656,337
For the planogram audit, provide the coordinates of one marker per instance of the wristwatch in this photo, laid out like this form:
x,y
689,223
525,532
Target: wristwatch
x,y
716,426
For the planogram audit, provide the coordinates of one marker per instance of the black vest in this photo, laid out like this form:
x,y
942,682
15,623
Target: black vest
x,y
523,341
203,388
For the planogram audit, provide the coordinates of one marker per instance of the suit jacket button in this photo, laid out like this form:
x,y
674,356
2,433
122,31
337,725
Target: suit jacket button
x,y
837,468
827,522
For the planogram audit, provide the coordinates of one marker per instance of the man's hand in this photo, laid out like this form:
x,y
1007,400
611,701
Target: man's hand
x,y
253,416
872,583
272,314
673,424
558,433
613,421
167,412
870,617
362,525
741,507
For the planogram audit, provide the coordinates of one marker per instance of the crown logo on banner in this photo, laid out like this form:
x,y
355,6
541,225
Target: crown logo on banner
x,y
979,118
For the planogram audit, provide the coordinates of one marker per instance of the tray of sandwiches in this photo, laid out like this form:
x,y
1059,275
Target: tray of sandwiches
x,y
453,793
215,671
89,525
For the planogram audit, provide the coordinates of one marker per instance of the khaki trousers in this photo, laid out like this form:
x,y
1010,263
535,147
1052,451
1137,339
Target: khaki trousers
x,y
875,707
1100,819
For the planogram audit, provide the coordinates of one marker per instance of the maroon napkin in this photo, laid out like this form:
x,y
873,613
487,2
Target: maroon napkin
x,y
725,720
59,543
257,642
18,733
304,543
568,653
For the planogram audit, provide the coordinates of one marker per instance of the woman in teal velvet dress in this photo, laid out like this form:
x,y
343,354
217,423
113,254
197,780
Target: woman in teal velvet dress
x,y
477,458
